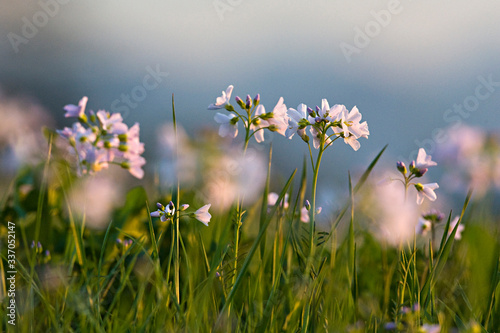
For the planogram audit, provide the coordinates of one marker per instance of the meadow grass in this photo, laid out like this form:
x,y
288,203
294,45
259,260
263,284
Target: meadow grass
x,y
255,269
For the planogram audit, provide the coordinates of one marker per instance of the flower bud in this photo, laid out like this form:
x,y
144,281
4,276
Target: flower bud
x,y
256,121
317,119
401,167
307,205
256,100
249,102
229,107
240,102
183,207
419,172
273,128
305,138
317,108
310,111
318,210
412,166
160,206
93,118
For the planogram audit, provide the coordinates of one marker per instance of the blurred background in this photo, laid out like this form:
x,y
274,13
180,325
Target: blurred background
x,y
413,68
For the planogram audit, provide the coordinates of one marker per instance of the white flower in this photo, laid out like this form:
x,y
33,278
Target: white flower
x,y
351,124
76,110
460,228
273,197
304,215
228,124
258,124
353,142
111,123
424,160
134,166
164,212
317,138
222,101
426,190
336,112
422,227
203,215
295,116
278,117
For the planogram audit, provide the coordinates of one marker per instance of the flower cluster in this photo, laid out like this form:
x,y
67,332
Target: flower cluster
x,y
345,124
99,139
255,118
167,213
417,169
431,219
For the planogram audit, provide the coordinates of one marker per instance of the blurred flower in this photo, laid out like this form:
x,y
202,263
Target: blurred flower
x,y
427,191
222,101
21,138
304,215
97,144
228,124
93,198
273,197
472,158
203,215
460,228
424,160
230,174
111,123
430,328
176,164
395,218
433,215
423,227
76,111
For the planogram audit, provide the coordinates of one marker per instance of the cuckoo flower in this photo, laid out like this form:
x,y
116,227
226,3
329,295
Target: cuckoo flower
x,y
228,124
222,101
426,191
258,124
102,140
297,121
77,111
203,215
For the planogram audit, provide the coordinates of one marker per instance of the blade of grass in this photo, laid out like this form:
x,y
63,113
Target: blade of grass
x,y
252,251
441,258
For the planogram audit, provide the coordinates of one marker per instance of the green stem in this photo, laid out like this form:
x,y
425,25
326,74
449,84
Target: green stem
x,y
312,222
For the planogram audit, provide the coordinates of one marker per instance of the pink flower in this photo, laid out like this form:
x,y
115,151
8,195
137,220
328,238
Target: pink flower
x,y
77,111
203,215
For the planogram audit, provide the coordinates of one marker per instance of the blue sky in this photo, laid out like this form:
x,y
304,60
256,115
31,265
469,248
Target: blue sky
x,y
420,61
